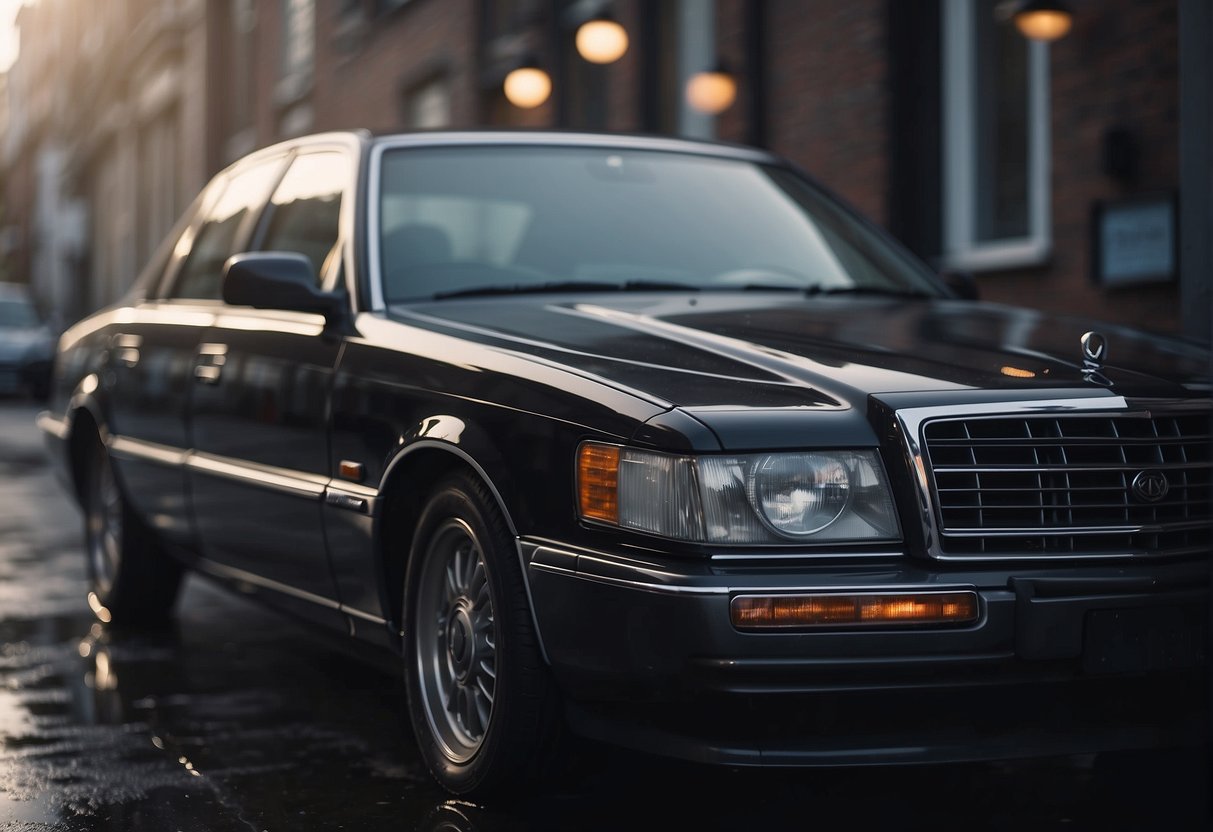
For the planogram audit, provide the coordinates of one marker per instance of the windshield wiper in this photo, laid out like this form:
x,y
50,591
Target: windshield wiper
x,y
567,286
880,291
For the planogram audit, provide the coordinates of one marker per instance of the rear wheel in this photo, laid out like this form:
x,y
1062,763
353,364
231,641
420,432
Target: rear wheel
x,y
481,700
133,581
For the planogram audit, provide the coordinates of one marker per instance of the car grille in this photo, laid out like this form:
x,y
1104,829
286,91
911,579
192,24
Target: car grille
x,y
1064,485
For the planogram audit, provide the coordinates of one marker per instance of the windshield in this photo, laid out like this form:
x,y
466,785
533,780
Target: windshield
x,y
17,313
479,220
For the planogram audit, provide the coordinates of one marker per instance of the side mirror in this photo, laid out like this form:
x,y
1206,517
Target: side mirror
x,y
962,284
277,280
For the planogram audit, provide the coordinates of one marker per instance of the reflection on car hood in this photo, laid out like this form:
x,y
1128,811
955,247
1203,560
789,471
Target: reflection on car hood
x,y
781,350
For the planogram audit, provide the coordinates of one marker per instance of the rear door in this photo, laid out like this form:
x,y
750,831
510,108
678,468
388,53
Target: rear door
x,y
149,358
259,410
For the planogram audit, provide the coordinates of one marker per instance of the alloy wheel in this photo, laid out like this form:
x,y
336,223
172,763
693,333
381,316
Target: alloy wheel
x,y
456,640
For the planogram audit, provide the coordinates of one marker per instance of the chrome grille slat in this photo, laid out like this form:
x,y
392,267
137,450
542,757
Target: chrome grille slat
x,y
1056,485
1177,466
1038,442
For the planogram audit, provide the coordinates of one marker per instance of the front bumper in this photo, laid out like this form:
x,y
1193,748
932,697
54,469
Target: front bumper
x,y
1060,660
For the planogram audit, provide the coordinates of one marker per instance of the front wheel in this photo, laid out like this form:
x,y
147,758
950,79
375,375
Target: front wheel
x,y
481,700
132,581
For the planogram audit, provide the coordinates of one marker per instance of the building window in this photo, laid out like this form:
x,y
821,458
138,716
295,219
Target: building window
x,y
427,106
995,141
158,187
299,38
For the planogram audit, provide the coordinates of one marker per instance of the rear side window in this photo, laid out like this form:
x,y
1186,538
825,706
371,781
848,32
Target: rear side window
x,y
306,208
244,193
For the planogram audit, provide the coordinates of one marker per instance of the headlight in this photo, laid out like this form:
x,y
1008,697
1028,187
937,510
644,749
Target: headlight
x,y
753,498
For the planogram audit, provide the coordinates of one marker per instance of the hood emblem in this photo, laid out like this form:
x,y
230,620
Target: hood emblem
x,y
1094,354
1150,486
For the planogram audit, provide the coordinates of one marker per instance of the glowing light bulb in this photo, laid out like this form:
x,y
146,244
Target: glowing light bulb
x,y
1045,20
601,41
712,92
527,87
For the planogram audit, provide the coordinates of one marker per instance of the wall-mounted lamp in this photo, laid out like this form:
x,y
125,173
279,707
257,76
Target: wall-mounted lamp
x,y
601,40
712,92
528,86
1046,20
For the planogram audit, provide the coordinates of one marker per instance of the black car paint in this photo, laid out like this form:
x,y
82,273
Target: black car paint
x,y
512,386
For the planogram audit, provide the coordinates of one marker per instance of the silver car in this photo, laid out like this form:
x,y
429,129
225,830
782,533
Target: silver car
x,y
26,344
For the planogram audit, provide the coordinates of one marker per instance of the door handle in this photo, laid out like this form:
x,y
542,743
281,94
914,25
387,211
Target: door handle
x,y
127,348
207,374
211,358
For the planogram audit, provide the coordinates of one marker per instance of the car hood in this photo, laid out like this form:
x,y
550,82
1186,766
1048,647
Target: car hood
x,y
774,350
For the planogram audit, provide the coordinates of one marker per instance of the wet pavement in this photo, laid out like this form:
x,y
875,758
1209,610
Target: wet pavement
x,y
240,719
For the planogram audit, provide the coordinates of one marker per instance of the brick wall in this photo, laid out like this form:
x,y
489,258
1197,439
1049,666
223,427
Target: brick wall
x,y
365,86
827,94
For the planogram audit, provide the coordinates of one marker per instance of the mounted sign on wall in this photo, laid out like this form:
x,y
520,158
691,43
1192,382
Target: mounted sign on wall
x,y
1134,241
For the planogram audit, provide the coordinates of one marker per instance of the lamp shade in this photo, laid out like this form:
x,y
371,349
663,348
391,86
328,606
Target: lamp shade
x,y
1045,20
601,40
527,87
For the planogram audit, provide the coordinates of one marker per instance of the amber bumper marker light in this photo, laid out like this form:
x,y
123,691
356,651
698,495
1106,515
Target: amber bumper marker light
x,y
849,609
598,481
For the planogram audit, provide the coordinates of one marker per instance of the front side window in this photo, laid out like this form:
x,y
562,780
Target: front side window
x,y
996,140
306,208
479,219
216,239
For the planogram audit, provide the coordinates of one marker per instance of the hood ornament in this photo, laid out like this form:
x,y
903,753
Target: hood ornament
x,y
1094,354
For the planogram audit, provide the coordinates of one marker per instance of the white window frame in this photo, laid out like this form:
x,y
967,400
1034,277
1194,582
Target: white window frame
x,y
961,248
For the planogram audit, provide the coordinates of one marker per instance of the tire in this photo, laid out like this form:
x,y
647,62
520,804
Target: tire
x,y
132,581
481,700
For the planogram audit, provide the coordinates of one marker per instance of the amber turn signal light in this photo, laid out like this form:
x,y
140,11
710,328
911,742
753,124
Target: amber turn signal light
x,y
843,609
598,482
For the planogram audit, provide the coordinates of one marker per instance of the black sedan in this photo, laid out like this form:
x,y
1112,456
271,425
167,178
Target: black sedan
x,y
651,440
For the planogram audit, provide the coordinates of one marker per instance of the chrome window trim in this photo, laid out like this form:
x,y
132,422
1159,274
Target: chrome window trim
x,y
911,422
373,191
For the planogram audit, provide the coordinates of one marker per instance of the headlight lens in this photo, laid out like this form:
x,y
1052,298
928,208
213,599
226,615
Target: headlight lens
x,y
799,495
753,498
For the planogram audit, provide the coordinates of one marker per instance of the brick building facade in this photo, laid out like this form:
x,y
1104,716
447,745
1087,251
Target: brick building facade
x,y
887,102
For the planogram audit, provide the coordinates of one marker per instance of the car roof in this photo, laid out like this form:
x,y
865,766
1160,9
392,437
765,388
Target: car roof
x,y
515,138
562,138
